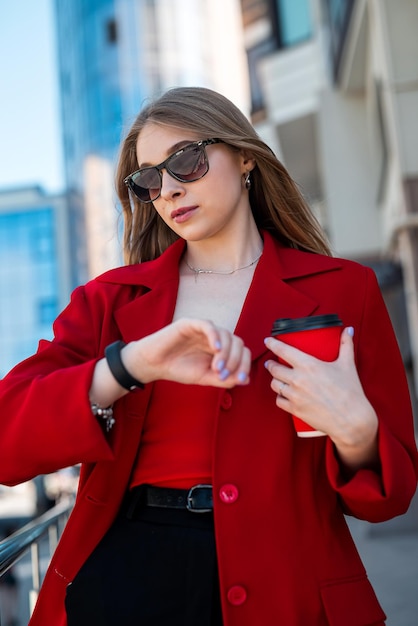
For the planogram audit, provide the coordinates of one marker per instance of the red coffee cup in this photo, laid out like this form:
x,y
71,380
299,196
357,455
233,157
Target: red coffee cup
x,y
318,335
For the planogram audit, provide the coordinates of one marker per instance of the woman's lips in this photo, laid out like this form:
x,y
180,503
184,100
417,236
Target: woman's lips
x,y
183,214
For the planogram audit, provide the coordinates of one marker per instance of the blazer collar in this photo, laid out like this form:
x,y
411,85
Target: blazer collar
x,y
271,294
154,288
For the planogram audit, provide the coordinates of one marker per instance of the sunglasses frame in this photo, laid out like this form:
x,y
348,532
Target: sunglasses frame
x,y
165,165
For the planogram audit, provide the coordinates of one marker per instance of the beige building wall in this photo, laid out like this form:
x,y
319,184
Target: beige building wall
x,y
380,67
352,142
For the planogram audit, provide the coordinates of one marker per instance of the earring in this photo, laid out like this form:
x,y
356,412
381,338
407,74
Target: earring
x,y
247,181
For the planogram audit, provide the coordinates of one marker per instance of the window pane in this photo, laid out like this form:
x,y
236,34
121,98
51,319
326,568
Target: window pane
x,y
28,282
295,21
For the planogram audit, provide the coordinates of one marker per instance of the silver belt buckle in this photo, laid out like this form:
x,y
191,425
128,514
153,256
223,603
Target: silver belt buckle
x,y
189,500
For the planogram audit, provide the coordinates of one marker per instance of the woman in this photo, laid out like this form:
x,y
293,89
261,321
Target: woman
x,y
198,503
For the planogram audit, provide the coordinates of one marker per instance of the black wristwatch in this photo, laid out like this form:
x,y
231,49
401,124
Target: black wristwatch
x,y
116,366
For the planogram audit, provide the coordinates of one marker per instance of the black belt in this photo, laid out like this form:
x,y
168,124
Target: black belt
x,y
197,499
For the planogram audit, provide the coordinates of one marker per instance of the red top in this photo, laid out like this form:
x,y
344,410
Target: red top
x,y
177,440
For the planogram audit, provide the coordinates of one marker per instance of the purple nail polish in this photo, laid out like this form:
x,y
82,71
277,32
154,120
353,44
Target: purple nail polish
x,y
224,374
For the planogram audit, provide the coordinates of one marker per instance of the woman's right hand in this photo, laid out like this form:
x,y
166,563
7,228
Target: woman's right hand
x,y
188,351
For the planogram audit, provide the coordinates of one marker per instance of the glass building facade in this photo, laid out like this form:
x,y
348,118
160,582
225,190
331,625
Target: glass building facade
x,y
102,79
89,89
103,76
113,55
34,281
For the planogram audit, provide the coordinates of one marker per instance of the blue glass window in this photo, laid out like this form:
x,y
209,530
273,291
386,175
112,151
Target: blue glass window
x,y
29,289
295,21
47,311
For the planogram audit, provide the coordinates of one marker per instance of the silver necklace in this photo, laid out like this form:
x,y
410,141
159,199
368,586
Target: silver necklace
x,y
200,270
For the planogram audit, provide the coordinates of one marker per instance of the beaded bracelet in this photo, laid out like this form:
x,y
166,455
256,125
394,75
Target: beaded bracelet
x,y
106,414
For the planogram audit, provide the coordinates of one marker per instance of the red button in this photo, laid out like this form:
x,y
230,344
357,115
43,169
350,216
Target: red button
x,y
228,494
236,595
226,401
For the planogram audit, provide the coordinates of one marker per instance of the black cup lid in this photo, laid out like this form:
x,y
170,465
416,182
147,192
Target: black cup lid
x,y
289,325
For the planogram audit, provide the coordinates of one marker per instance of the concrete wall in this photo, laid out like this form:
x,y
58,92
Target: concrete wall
x,y
350,174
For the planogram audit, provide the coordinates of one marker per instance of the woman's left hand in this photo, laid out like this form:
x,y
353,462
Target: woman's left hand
x,y
328,396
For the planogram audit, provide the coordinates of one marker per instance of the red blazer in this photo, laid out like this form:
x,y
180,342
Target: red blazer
x,y
285,553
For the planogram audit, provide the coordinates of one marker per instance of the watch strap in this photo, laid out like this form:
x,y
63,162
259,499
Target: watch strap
x,y
117,368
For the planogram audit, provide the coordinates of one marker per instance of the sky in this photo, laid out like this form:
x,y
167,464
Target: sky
x,y
30,139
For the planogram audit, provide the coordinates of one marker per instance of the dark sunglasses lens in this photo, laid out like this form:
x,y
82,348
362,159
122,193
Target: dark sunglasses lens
x,y
191,164
187,166
146,184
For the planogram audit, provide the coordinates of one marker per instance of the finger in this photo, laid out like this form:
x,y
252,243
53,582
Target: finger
x,y
222,354
214,338
281,374
233,357
241,375
292,356
243,370
278,370
208,329
280,387
347,345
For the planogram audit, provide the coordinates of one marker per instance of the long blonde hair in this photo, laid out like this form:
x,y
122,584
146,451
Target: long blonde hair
x,y
276,202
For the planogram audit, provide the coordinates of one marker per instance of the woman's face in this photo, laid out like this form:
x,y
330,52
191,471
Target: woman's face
x,y
213,205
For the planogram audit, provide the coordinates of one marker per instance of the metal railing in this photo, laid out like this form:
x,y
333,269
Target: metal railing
x,y
28,538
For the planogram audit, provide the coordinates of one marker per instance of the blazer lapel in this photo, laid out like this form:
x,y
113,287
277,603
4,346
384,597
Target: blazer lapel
x,y
156,285
149,312
272,295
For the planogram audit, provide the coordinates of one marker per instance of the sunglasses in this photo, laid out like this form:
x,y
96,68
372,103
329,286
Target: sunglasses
x,y
185,165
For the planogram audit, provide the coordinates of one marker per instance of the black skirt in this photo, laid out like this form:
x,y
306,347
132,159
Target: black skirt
x,y
157,570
